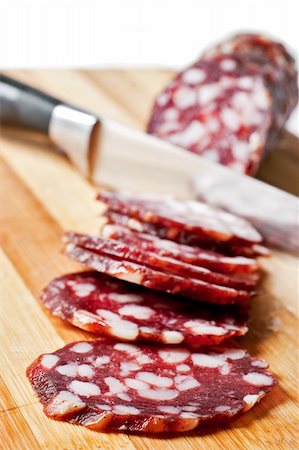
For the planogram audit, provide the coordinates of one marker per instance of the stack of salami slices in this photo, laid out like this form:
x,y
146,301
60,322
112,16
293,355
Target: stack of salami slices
x,y
231,104
169,287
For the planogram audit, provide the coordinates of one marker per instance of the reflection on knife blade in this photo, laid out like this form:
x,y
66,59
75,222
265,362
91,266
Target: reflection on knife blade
x,y
274,212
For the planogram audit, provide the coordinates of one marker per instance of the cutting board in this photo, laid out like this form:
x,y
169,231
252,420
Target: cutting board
x,y
41,197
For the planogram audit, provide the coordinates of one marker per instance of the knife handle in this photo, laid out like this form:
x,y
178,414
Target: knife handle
x,y
24,106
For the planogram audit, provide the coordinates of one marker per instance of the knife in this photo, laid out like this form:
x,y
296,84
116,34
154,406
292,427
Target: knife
x,y
111,154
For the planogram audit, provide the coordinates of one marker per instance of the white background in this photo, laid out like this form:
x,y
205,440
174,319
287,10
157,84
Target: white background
x,y
134,33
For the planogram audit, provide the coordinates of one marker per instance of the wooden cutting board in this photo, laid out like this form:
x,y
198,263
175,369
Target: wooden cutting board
x,y
42,196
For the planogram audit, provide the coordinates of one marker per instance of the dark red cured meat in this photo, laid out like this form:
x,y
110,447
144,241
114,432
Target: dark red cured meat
x,y
194,217
185,238
231,104
196,256
106,306
270,59
104,385
152,260
226,116
154,279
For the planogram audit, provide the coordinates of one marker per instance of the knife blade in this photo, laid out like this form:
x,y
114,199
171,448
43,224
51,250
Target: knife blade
x,y
114,155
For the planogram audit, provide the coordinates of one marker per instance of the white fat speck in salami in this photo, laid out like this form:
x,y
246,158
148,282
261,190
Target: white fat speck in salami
x,y
199,327
147,330
151,378
137,311
128,348
230,119
84,388
228,64
189,136
114,385
174,355
125,298
128,367
101,360
171,115
189,408
63,404
188,383
154,397
183,368
201,359
69,370
258,379
225,369
250,400
172,337
235,353
123,329
85,370
184,98
208,93
137,385
194,76
259,363
49,361
104,407
83,289
82,347
169,409
124,396
125,410
222,408
159,394
170,319
162,99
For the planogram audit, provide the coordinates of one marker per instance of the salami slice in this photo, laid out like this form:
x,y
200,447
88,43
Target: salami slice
x,y
196,256
104,385
152,260
106,306
231,104
193,217
185,238
154,279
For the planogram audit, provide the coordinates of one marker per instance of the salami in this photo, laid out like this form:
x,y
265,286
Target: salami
x,y
264,56
106,306
196,256
193,217
152,260
231,104
104,385
154,279
228,248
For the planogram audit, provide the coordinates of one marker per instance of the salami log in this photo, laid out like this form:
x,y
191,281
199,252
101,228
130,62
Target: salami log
x,y
104,385
270,59
185,253
154,279
152,260
105,306
229,248
231,104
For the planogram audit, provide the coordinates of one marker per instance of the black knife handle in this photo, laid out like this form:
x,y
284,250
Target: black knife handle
x,y
24,106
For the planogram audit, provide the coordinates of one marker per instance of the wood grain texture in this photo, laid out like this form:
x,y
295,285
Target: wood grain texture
x,y
41,197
